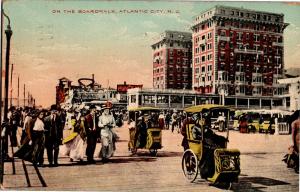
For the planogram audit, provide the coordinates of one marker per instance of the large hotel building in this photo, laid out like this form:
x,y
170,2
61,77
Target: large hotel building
x,y
238,51
236,60
172,61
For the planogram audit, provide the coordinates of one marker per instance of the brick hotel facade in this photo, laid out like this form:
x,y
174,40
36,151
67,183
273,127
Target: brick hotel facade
x,y
172,61
239,51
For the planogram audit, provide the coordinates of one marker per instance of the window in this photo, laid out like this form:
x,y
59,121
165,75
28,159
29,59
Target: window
x,y
209,47
209,67
209,57
203,58
242,89
223,33
222,56
133,99
256,37
264,17
209,78
209,35
203,37
171,44
203,69
239,36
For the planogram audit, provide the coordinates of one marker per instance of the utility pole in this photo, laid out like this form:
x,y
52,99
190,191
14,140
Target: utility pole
x,y
18,91
24,95
28,98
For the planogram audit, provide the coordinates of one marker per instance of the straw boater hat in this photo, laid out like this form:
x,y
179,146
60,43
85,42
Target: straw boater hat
x,y
107,105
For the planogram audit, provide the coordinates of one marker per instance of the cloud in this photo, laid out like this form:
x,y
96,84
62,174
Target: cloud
x,y
65,46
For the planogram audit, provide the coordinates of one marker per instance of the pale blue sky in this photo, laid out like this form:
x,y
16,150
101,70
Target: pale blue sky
x,y
115,47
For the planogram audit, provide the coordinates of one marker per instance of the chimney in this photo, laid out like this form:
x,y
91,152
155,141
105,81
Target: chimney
x,y
93,76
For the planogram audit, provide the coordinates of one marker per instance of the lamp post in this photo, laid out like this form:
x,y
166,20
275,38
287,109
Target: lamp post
x,y
8,33
3,143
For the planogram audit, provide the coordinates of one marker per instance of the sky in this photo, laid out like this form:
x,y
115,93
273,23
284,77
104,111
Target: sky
x,y
52,39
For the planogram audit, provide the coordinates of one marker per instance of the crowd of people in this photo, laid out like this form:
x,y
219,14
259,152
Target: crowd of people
x,y
44,129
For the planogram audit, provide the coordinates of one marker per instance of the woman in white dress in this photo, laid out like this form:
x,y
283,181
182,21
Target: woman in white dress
x,y
75,143
108,137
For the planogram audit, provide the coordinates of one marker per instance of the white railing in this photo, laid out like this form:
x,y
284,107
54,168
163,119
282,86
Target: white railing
x,y
222,38
283,128
202,42
277,44
251,51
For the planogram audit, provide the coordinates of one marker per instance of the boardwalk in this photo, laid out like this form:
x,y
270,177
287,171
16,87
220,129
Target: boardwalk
x,y
261,165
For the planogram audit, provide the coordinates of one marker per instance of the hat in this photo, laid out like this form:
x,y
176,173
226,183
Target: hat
x,y
53,107
107,105
92,107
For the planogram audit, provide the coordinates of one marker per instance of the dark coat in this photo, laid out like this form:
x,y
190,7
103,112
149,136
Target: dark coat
x,y
53,128
89,124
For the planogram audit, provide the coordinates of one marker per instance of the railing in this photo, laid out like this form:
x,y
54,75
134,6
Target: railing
x,y
202,42
283,128
250,51
277,44
222,38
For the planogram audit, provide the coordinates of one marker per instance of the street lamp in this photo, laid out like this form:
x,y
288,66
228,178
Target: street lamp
x,y
4,144
8,33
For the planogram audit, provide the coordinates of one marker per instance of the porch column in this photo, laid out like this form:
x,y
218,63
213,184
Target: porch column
x,y
259,103
248,102
235,100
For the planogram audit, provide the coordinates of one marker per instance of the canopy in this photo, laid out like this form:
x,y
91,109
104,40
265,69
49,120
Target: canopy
x,y
144,109
199,108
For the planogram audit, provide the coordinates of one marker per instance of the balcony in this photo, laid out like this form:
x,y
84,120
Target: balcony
x,y
222,38
248,51
277,76
202,42
277,44
199,84
257,83
221,82
240,82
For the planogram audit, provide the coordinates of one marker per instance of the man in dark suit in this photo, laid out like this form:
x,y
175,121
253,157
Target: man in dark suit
x,y
53,135
91,125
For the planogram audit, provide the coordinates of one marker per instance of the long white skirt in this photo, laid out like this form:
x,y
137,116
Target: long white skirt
x,y
75,148
108,145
